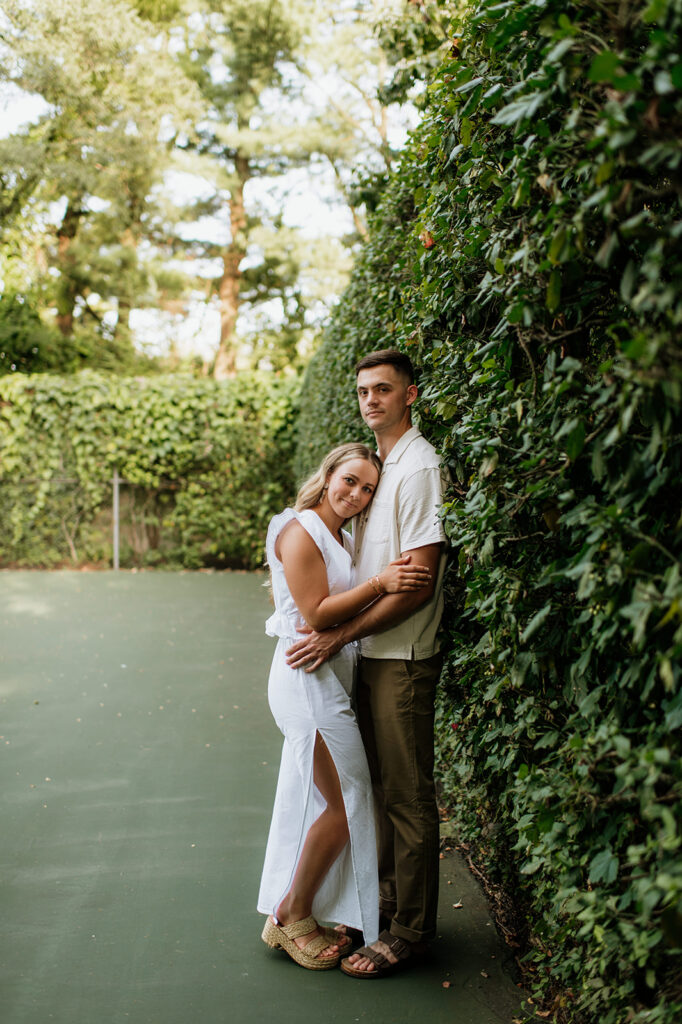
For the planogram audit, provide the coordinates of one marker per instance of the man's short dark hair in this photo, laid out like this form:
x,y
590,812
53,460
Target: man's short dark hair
x,y
390,356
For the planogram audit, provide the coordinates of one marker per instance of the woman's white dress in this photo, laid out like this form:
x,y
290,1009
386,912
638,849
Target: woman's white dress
x,y
304,703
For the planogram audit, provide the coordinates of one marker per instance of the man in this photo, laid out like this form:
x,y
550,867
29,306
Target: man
x,y
399,665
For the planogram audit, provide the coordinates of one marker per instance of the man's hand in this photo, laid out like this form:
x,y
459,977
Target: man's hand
x,y
382,614
315,649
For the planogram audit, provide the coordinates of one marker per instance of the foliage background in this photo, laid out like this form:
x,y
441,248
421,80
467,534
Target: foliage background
x,y
188,186
206,465
527,254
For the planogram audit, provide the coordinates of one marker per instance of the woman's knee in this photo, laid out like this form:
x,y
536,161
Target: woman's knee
x,y
337,823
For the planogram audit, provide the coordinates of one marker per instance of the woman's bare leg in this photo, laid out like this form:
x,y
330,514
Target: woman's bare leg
x,y
325,840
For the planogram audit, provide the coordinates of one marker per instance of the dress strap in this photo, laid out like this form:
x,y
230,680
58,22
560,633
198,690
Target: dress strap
x,y
324,538
313,525
277,524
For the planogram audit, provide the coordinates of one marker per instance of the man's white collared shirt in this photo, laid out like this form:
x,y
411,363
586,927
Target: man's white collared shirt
x,y
401,516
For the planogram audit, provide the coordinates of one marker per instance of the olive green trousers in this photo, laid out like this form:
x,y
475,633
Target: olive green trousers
x,y
395,710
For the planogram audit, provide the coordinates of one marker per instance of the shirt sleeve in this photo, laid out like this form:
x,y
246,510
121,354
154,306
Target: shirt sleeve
x,y
421,496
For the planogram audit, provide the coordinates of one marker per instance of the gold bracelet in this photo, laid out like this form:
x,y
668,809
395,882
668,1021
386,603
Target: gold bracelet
x,y
377,586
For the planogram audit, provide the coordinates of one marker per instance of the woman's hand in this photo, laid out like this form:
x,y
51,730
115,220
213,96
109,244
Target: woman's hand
x,y
400,576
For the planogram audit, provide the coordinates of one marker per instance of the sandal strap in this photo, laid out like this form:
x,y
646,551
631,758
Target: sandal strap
x,y
298,928
315,946
373,955
396,945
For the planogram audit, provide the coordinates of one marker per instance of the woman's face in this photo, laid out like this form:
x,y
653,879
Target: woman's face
x,y
350,487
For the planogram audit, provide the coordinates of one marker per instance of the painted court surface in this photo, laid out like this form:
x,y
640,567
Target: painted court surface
x,y
138,762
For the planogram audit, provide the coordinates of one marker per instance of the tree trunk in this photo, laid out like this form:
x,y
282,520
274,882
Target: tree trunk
x,y
228,291
129,239
382,125
67,289
360,225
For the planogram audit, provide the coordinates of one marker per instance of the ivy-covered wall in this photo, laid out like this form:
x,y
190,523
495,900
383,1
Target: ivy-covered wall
x,y
527,254
205,465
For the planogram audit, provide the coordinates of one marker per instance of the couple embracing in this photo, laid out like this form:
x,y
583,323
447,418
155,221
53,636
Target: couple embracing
x,y
354,835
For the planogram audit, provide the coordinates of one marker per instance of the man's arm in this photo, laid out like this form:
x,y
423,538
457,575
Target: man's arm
x,y
388,611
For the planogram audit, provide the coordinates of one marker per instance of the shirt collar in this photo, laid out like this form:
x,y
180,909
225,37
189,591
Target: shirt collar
x,y
399,447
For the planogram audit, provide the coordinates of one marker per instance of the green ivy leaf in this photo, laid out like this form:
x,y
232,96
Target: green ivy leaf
x,y
553,295
604,66
575,441
607,67
604,867
520,110
535,623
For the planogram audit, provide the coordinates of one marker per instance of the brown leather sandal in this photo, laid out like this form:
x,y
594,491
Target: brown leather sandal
x,y
404,954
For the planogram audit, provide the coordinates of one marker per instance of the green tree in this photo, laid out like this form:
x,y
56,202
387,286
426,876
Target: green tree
x,y
27,344
366,62
281,92
239,55
289,86
114,103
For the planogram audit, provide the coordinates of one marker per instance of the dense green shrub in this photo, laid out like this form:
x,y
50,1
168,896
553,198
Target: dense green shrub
x,y
27,345
527,254
205,465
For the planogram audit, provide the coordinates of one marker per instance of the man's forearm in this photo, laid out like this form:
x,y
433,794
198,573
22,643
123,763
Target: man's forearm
x,y
383,614
313,650
392,609
316,648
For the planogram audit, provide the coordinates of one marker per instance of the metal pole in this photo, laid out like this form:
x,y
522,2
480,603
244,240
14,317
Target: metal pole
x,y
116,483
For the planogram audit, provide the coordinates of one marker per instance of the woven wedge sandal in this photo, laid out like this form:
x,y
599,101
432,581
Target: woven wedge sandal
x,y
282,937
344,940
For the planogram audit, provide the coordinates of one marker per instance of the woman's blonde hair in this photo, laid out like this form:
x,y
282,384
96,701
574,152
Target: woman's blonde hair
x,y
312,491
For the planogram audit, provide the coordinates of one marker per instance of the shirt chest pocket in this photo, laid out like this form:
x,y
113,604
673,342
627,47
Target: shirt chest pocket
x,y
380,527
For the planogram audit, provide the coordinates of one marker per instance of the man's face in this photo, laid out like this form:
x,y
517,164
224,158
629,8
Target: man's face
x,y
385,396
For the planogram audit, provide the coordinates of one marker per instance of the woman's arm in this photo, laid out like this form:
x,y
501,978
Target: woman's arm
x,y
306,576
318,647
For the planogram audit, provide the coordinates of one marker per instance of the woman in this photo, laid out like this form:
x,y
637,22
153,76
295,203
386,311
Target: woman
x,y
321,852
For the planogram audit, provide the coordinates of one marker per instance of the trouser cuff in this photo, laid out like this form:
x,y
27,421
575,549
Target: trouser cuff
x,y
411,934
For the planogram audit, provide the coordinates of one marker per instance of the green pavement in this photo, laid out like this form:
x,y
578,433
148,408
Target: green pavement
x,y
138,762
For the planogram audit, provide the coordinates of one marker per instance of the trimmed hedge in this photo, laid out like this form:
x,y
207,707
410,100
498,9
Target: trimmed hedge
x,y
527,254
206,464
